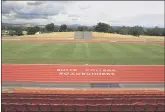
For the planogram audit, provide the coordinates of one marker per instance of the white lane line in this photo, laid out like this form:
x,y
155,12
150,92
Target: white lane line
x,y
81,65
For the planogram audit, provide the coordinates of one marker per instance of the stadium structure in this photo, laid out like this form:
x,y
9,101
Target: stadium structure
x,y
57,84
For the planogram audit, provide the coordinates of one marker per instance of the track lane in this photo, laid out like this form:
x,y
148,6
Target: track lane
x,y
81,73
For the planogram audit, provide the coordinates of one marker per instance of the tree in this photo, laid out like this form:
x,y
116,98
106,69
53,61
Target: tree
x,y
82,28
155,31
123,30
56,28
3,27
63,28
102,27
111,30
44,30
37,28
18,31
136,31
50,27
32,30
70,29
163,31
12,33
85,28
92,28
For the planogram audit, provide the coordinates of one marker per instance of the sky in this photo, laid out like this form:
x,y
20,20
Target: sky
x,y
115,13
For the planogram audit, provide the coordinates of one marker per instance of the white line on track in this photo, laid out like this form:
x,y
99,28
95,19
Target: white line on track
x,y
81,65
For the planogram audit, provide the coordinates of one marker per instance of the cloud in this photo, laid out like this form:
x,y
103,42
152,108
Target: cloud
x,y
35,3
9,7
73,15
128,13
149,20
32,10
63,12
31,16
84,7
38,12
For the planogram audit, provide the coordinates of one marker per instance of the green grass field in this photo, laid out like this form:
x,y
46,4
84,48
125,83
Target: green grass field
x,y
81,53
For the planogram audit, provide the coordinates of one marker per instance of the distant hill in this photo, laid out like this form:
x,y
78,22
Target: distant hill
x,y
70,26
22,25
74,25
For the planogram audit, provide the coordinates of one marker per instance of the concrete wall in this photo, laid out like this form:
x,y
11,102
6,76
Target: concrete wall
x,y
79,35
83,35
87,35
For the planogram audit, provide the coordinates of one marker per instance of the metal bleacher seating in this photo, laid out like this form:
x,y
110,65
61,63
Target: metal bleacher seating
x,y
82,102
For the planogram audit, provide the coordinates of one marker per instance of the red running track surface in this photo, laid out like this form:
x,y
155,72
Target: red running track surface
x,y
81,73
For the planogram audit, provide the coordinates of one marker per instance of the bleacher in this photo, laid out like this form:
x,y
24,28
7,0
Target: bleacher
x,y
16,102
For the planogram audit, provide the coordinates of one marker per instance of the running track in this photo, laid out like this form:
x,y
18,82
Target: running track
x,y
66,73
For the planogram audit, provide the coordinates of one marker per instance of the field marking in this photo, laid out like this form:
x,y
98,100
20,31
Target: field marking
x,y
81,65
94,74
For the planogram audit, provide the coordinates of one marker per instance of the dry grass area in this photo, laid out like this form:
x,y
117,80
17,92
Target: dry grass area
x,y
96,35
111,36
47,35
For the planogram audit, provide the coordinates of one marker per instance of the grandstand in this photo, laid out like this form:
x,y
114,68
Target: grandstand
x,y
33,87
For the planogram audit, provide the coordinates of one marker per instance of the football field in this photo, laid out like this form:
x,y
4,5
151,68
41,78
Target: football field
x,y
81,53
